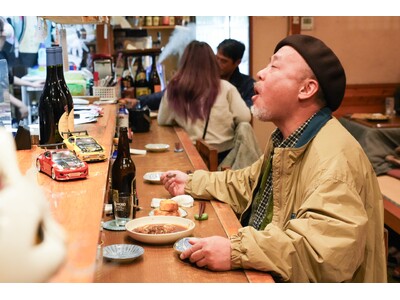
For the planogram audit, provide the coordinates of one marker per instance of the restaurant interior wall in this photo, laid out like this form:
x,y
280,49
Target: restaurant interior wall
x,y
367,47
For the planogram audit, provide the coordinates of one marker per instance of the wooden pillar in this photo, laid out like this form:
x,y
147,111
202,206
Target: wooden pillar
x,y
294,25
104,39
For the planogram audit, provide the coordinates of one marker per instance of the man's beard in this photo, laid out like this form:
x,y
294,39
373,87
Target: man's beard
x,y
261,114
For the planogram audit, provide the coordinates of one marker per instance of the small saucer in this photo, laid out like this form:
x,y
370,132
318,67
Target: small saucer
x,y
122,252
111,225
183,244
153,177
377,117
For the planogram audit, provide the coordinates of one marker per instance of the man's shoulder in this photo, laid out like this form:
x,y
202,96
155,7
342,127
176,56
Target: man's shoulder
x,y
240,78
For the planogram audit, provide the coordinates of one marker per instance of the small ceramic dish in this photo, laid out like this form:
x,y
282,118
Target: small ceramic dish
x,y
122,252
111,225
182,212
153,177
182,244
157,147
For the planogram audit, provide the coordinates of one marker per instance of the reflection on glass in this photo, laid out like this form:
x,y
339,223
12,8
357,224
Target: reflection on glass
x,y
5,106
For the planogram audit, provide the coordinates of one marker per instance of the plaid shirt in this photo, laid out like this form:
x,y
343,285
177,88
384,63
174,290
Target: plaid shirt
x,y
258,213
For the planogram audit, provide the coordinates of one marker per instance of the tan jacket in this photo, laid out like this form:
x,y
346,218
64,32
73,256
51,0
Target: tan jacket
x,y
327,221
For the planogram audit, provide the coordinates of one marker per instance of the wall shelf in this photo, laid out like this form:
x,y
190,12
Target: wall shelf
x,y
78,19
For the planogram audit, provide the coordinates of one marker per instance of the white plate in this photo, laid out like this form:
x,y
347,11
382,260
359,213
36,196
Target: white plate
x,y
80,101
122,252
166,238
153,177
182,200
182,212
157,147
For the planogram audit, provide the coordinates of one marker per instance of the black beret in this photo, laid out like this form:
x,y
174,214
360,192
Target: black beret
x,y
323,62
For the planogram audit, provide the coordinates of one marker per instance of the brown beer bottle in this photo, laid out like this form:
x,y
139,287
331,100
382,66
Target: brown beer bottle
x,y
123,172
155,82
141,83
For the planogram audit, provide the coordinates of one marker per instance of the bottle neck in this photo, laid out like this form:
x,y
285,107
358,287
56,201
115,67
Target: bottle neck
x,y
51,74
59,62
140,64
123,143
60,72
52,63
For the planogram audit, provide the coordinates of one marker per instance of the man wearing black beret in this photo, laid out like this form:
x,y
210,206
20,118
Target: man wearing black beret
x,y
311,207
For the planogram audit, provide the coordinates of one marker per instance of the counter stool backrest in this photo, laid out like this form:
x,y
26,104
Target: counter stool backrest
x,y
208,153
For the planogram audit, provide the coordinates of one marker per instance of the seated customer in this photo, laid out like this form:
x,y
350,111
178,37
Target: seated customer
x,y
311,207
229,56
199,101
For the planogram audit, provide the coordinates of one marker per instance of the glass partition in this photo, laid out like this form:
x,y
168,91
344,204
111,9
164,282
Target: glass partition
x,y
5,106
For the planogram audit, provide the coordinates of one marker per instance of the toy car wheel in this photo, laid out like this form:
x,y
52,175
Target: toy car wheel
x,y
38,166
53,174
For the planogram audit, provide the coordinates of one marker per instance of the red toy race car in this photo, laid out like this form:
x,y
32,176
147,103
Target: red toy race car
x,y
61,164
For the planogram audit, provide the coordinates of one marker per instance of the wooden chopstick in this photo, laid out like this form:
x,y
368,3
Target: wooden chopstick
x,y
202,209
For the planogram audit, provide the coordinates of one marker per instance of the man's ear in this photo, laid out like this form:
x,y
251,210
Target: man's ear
x,y
308,89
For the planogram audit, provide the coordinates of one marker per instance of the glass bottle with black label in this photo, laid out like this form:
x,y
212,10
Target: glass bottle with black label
x,y
123,172
155,82
53,105
141,83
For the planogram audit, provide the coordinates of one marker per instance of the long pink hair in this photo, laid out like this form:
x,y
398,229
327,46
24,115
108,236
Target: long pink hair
x,y
192,91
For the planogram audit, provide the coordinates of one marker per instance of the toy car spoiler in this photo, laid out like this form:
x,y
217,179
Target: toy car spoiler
x,y
76,133
52,146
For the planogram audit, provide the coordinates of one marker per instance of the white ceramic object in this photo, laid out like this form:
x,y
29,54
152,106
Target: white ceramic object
x,y
25,211
166,238
157,147
182,200
80,101
153,177
182,212
183,244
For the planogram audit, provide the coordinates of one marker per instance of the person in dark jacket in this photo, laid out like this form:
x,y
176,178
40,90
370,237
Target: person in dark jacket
x,y
229,56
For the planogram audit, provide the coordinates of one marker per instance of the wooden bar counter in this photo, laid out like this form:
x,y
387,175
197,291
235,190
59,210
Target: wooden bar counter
x,y
78,206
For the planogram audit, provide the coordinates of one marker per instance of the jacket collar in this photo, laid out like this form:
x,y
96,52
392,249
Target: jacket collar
x,y
319,120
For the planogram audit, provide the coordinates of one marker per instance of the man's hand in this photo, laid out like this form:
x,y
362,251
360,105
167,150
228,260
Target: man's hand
x,y
174,182
212,252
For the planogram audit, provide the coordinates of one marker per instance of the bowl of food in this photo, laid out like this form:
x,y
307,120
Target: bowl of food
x,y
159,229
